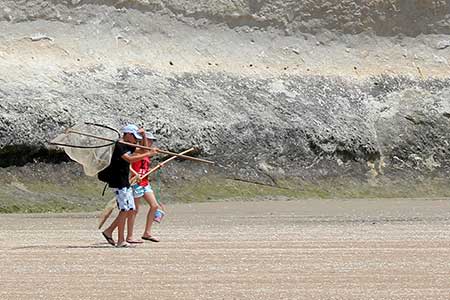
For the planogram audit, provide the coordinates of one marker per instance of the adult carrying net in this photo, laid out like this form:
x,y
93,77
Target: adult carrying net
x,y
89,144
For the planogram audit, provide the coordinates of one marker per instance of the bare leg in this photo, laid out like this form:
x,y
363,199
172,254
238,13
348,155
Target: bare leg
x,y
131,219
121,226
109,231
151,200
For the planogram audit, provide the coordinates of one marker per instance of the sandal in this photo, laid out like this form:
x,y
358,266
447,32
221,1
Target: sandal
x,y
150,238
109,239
135,241
124,245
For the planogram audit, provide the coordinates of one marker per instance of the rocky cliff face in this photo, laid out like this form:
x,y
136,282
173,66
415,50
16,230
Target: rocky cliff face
x,y
268,89
385,18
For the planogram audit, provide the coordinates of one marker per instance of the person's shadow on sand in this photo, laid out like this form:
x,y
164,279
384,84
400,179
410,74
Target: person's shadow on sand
x,y
44,247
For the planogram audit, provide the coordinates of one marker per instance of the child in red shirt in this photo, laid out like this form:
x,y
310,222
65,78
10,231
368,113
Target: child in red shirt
x,y
142,189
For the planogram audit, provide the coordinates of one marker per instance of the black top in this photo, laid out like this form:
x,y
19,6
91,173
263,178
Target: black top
x,y
119,167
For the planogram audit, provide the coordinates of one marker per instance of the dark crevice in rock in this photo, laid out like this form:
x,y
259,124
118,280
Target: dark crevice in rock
x,y
19,155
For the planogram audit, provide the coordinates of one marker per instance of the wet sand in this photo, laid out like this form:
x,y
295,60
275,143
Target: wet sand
x,y
305,249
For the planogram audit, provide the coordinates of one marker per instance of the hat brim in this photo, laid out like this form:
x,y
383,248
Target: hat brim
x,y
137,135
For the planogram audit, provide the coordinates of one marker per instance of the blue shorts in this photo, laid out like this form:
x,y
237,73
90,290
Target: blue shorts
x,y
125,199
139,191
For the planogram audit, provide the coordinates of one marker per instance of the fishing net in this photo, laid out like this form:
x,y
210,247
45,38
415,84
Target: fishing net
x,y
89,144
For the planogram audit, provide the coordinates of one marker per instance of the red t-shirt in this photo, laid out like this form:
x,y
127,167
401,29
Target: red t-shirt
x,y
142,167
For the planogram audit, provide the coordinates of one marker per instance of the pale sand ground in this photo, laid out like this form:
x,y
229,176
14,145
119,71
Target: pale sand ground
x,y
308,249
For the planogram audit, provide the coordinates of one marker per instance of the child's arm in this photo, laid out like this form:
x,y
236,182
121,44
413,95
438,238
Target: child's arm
x,y
141,131
138,156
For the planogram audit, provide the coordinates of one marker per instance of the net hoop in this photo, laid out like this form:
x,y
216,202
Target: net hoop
x,y
91,147
83,145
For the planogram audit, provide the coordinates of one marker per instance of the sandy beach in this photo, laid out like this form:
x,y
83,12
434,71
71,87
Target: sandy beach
x,y
305,249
